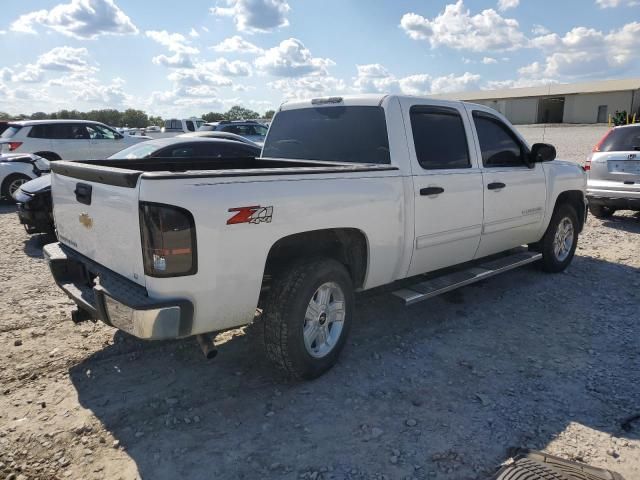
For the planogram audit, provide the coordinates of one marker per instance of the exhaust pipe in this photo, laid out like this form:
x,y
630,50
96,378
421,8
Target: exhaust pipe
x,y
205,340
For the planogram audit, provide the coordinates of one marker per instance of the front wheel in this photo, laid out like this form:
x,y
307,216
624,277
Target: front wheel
x,y
12,183
559,243
307,317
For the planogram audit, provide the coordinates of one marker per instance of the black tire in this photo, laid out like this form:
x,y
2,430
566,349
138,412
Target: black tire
x,y
10,182
601,211
286,308
551,261
52,157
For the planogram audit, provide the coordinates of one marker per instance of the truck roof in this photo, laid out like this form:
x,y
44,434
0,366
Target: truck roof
x,y
372,100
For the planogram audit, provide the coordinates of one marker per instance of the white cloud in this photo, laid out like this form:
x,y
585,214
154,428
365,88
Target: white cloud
x,y
194,33
457,28
507,4
237,44
375,78
489,60
540,30
255,15
175,42
83,19
58,59
586,52
236,68
307,87
292,59
617,3
452,83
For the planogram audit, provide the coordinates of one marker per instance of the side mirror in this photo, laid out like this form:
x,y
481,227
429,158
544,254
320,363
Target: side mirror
x,y
542,152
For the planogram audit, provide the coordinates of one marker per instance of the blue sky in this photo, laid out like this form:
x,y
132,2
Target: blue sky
x,y
187,58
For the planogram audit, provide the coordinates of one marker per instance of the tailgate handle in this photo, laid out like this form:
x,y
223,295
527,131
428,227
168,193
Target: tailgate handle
x,y
83,193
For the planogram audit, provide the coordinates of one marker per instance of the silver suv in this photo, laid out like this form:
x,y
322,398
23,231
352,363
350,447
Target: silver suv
x,y
614,172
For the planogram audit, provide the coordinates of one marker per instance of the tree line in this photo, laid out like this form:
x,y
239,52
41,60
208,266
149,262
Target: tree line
x,y
133,118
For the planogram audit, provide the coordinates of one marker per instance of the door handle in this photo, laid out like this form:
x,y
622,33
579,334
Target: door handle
x,y
83,193
431,191
496,186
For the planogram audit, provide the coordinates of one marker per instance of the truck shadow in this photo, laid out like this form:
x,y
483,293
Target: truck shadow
x,y
627,223
438,390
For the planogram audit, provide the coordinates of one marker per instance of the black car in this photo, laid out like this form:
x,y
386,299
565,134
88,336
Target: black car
x,y
34,198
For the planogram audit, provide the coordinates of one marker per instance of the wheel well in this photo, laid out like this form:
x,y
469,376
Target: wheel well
x,y
346,245
49,155
575,198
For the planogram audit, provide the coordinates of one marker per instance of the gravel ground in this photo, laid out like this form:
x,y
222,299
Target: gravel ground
x,y
440,390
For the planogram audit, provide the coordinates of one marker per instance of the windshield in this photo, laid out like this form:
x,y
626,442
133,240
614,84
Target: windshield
x,y
340,134
140,150
11,131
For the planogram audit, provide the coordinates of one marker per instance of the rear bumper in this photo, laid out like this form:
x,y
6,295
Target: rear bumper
x,y
114,299
617,203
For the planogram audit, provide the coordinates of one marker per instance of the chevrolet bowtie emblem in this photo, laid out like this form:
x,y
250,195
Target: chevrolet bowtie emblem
x,y
86,220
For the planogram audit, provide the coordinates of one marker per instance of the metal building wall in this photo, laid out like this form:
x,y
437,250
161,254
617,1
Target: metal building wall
x,y
583,107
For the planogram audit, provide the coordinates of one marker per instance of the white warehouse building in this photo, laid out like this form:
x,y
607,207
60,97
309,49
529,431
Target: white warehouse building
x,y
591,102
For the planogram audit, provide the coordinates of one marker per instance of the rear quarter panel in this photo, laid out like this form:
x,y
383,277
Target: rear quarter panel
x,y
231,258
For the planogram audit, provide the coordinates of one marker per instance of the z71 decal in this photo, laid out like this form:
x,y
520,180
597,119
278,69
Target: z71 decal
x,y
253,215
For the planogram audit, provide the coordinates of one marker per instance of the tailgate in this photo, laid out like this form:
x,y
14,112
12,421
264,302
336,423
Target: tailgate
x,y
96,214
617,166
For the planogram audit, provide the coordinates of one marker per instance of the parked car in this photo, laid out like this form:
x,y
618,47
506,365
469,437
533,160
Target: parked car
x,y
16,169
614,172
250,129
34,197
215,134
64,139
350,194
185,125
3,126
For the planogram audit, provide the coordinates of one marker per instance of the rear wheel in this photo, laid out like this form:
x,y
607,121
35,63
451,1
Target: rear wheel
x,y
559,243
601,211
12,183
307,317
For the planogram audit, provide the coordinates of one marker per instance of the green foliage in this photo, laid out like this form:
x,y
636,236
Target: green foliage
x,y
269,114
239,113
213,117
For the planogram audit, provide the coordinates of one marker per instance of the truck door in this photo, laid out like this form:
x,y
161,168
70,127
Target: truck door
x,y
514,194
447,185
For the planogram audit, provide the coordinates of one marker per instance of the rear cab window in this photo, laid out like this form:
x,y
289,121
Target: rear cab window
x,y
622,139
352,134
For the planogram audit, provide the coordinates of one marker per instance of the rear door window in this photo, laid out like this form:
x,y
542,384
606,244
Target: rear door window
x,y
623,139
40,131
498,144
354,134
439,138
190,126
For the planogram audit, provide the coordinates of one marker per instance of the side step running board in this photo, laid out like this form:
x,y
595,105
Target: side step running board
x,y
445,283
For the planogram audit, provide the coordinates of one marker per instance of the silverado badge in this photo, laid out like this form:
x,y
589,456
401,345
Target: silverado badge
x,y
86,220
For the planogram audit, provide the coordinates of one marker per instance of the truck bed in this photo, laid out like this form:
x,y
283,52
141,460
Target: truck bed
x,y
125,173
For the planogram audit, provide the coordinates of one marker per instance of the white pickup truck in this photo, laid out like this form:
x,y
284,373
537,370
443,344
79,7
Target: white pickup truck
x,y
349,194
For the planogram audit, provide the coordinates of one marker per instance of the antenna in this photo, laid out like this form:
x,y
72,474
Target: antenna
x,y
544,129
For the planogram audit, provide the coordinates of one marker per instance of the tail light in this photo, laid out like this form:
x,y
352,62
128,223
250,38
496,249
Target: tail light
x,y
587,164
598,145
14,146
168,240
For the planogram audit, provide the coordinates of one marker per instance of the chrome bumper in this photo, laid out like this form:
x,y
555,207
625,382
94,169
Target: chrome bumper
x,y
115,300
